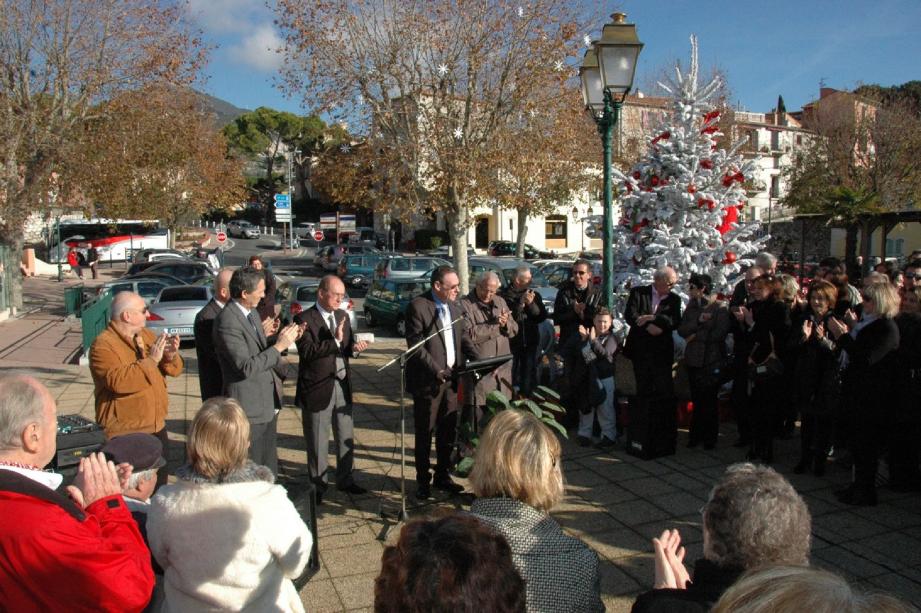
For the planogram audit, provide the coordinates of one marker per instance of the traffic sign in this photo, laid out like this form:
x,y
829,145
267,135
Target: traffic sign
x,y
283,215
221,237
318,236
282,201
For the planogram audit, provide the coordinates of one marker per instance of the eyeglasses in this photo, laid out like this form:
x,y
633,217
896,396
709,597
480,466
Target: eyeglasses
x,y
911,275
448,288
580,272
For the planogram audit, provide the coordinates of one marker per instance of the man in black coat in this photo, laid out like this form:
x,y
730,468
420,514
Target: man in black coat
x,y
209,370
430,376
653,312
529,312
324,385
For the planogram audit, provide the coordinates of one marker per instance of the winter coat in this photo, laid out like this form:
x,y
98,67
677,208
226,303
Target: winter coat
x,y
707,350
57,557
490,341
565,316
229,545
817,378
130,387
908,409
867,380
528,317
560,572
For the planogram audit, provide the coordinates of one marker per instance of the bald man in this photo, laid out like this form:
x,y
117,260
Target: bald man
x,y
209,370
129,364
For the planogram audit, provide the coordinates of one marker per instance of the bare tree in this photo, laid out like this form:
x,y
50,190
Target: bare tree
x,y
58,60
433,87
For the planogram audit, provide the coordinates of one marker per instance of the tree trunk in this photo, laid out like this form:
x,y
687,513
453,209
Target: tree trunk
x,y
866,233
13,243
850,251
522,232
456,219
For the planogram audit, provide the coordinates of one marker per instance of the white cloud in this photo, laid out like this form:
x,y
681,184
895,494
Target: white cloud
x,y
258,49
224,16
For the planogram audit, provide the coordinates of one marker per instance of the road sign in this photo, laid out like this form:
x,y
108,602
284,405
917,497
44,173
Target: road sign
x,y
282,201
346,223
283,215
221,237
328,221
318,236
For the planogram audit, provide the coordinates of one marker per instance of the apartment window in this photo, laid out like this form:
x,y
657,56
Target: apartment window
x,y
775,140
799,139
895,247
775,187
555,226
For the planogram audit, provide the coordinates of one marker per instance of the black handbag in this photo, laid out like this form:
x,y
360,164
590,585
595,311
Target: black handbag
x,y
770,367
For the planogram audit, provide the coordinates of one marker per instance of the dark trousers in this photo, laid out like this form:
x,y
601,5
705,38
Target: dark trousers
x,y
705,421
815,436
868,437
338,416
741,403
262,444
765,398
904,443
445,431
524,369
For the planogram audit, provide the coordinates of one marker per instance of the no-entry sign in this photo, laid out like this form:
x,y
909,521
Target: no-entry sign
x,y
318,236
221,237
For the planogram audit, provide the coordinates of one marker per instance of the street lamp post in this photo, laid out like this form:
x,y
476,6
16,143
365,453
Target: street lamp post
x,y
607,73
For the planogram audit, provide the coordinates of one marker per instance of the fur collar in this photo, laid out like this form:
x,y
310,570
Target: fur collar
x,y
249,472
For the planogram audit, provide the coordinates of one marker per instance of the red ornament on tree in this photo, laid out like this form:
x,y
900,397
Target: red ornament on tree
x,y
692,188
711,116
654,180
706,164
730,257
637,175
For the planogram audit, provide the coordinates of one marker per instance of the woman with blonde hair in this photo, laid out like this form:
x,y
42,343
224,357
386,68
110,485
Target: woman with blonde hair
x,y
868,384
779,589
517,479
226,536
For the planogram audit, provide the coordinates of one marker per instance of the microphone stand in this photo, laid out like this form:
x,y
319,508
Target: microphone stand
x,y
402,359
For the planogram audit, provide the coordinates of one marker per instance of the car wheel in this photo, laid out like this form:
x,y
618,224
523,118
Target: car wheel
x,y
401,327
369,319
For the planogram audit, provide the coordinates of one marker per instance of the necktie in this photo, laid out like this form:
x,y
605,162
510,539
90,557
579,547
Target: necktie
x,y
340,363
448,331
257,325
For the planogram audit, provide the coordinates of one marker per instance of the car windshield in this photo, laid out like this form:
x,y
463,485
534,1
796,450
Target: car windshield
x,y
186,292
408,291
307,293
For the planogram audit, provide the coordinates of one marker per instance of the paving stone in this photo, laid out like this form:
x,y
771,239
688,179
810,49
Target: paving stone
x,y
358,559
357,591
635,511
842,560
616,544
649,486
614,581
677,503
320,596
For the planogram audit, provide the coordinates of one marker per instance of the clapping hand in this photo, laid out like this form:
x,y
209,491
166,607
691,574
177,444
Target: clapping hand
x,y
584,333
807,328
850,317
642,320
579,309
340,331
528,297
669,558
286,336
503,318
836,327
96,479
360,346
158,348
270,326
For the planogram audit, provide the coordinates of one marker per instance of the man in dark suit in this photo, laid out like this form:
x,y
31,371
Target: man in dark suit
x,y
209,370
324,386
653,312
429,376
251,366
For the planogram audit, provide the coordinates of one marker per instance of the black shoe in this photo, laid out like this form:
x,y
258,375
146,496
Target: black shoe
x,y
446,485
606,443
352,488
584,441
423,491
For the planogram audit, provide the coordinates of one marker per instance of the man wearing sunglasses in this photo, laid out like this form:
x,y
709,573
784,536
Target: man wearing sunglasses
x,y
129,364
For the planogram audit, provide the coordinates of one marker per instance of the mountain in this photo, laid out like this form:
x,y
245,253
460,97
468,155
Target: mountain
x,y
223,110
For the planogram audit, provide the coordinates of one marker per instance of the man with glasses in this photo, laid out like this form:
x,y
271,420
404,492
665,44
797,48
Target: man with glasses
x,y
129,364
912,278
575,306
324,386
430,377
742,348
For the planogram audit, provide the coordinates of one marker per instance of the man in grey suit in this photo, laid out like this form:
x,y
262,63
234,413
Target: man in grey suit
x,y
209,370
252,368
324,385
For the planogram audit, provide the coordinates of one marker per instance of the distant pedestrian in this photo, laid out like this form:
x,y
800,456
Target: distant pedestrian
x,y
92,258
74,260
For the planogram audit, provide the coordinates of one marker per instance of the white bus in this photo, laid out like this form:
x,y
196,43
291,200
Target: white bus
x,y
114,239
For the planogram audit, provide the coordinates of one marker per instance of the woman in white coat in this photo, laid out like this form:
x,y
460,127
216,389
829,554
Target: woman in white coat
x,y
226,536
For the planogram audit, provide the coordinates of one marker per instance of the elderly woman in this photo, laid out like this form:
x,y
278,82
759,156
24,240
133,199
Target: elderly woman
x,y
704,325
453,564
753,519
226,536
490,325
817,377
517,480
867,382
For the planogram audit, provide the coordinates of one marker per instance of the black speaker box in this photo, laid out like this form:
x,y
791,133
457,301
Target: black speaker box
x,y
303,494
653,429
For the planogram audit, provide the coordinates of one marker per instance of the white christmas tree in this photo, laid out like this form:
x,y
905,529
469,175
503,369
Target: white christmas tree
x,y
681,203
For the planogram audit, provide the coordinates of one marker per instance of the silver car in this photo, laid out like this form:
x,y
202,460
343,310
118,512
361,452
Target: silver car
x,y
175,309
296,296
242,229
146,288
410,267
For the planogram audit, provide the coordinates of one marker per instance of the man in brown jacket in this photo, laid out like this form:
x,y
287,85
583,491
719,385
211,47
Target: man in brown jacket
x,y
128,363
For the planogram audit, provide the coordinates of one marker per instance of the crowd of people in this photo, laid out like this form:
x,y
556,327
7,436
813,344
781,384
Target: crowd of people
x,y
843,363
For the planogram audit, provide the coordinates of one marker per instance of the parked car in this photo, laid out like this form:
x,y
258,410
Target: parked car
x,y
146,287
358,270
175,308
442,252
146,255
499,248
407,267
387,300
305,229
296,296
242,228
539,282
187,271
478,265
327,258
368,236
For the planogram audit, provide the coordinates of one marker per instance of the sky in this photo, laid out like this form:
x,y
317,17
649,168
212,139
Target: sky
x,y
765,48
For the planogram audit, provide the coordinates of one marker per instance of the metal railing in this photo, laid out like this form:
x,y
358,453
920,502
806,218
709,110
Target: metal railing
x,y
95,317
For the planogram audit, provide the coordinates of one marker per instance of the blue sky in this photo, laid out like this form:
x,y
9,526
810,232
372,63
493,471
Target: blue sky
x,y
766,48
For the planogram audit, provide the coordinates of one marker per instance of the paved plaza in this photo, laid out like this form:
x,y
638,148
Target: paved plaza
x,y
614,502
